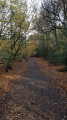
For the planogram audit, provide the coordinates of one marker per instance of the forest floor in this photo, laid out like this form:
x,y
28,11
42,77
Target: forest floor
x,y
53,72
27,95
7,78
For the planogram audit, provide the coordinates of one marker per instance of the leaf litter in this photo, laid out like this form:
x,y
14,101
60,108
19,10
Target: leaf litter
x,y
52,72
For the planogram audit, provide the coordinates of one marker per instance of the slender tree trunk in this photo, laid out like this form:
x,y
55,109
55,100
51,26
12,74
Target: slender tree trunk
x,y
47,39
56,39
26,48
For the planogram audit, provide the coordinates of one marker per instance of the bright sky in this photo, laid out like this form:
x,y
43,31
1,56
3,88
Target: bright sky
x,y
33,3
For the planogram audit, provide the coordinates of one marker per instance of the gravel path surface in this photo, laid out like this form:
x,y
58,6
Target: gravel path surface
x,y
34,98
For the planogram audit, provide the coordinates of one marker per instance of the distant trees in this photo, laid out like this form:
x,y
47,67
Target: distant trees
x,y
33,42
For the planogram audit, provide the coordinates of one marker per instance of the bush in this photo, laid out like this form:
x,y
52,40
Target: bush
x,y
56,57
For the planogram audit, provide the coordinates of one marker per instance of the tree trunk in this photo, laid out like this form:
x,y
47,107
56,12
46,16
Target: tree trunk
x,y
56,40
9,66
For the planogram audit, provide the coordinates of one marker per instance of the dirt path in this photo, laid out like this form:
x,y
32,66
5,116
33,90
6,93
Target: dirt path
x,y
33,98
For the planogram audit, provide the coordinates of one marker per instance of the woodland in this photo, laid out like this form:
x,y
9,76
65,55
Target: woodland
x,y
52,31
33,60
49,39
13,27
